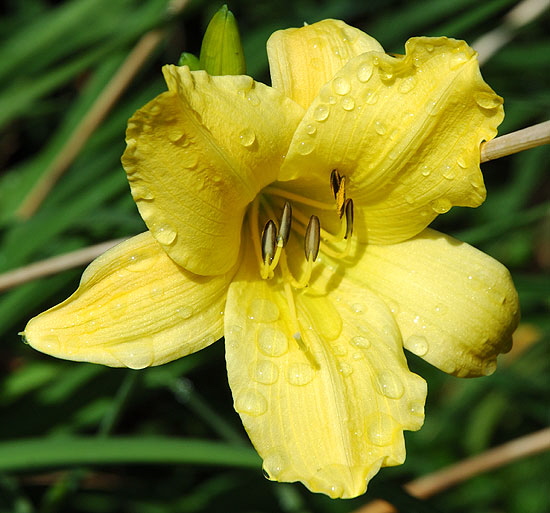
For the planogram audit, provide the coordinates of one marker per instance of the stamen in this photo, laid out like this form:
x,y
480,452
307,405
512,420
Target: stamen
x,y
269,242
338,187
312,239
349,218
286,223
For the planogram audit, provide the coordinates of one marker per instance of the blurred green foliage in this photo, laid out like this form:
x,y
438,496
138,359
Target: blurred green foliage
x,y
55,59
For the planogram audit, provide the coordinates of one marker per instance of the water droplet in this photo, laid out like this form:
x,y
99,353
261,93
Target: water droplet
x,y
274,464
135,359
317,43
341,86
416,408
487,100
448,172
265,372
339,350
441,205
358,308
184,312
407,85
433,108
380,431
441,309
364,72
321,112
371,97
142,192
311,129
345,369
332,100
462,163
385,73
251,402
165,234
361,342
300,374
305,147
489,367
348,103
253,99
429,48
175,135
424,170
234,331
390,385
272,342
263,310
417,344
476,180
379,127
247,137
457,59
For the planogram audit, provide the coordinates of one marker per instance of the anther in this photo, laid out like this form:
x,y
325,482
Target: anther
x,y
338,187
312,239
286,222
349,218
269,242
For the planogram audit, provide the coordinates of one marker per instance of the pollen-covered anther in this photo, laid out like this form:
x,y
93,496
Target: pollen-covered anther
x,y
338,188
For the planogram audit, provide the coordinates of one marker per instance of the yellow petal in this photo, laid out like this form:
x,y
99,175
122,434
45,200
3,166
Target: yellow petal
x,y
302,60
134,308
327,407
198,155
405,131
456,307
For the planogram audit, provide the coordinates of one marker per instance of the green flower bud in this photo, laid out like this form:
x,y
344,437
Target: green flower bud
x,y
188,59
221,50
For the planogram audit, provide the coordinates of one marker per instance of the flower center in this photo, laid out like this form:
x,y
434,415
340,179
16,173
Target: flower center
x,y
270,245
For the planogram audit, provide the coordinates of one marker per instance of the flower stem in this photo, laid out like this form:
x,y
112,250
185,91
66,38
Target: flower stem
x,y
530,137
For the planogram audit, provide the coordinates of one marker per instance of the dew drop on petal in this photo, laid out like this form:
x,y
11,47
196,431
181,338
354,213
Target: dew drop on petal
x,y
487,100
321,112
361,342
416,408
311,129
379,127
348,103
448,172
364,72
300,374
165,234
274,464
417,344
263,310
390,385
265,372
425,171
251,402
457,59
441,205
358,308
272,342
341,86
305,147
407,85
247,137
371,97
345,369
184,312
380,430
462,163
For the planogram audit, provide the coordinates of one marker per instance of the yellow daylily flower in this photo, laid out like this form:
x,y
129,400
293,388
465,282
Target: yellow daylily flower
x,y
292,220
